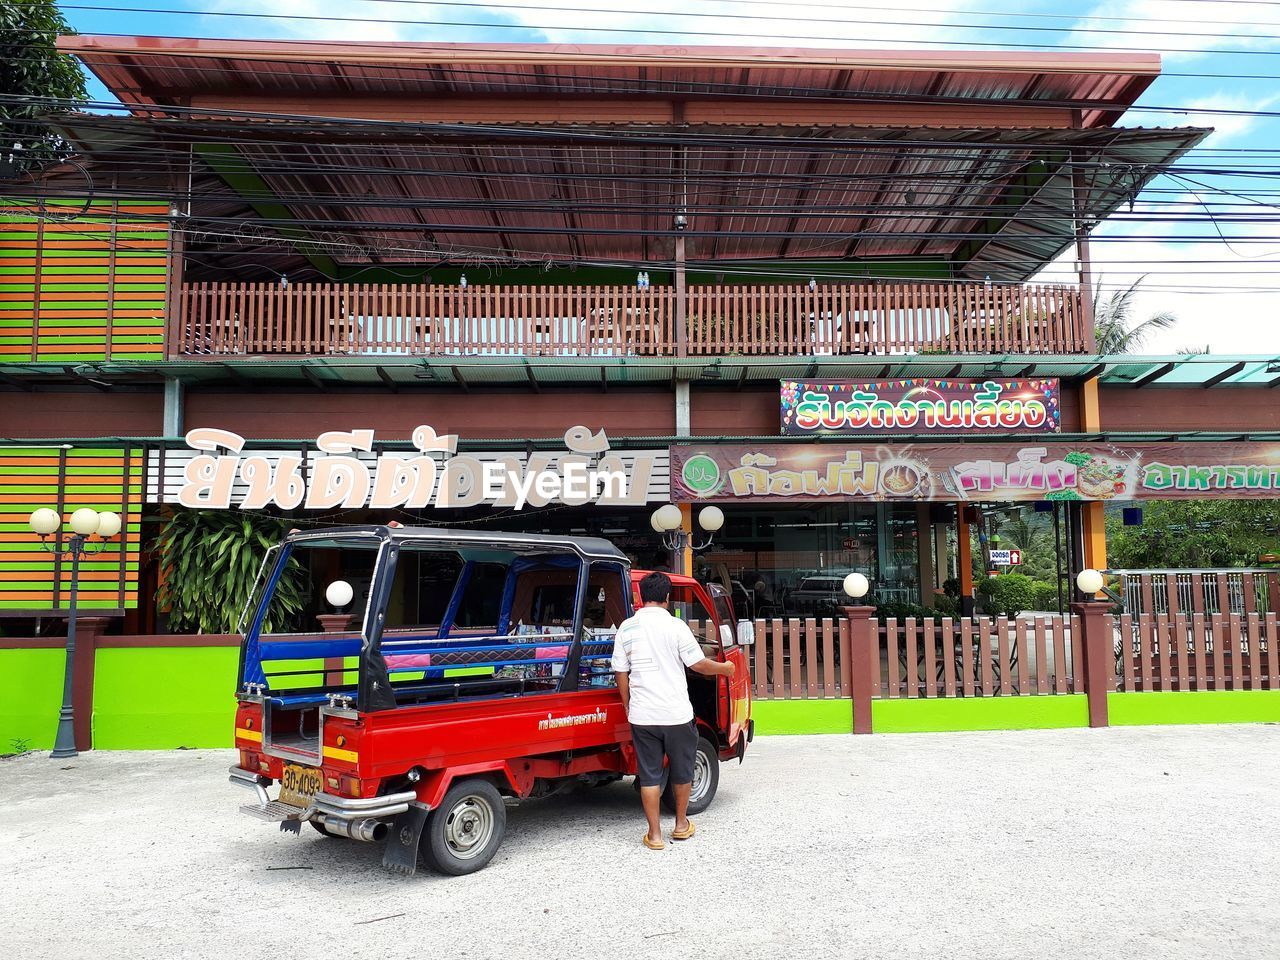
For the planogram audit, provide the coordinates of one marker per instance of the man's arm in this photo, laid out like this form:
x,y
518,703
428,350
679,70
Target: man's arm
x,y
710,668
624,690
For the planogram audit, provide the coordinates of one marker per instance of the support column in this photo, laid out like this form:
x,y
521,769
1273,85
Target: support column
x,y
683,408
1092,513
964,561
682,320
924,553
88,630
1099,658
864,645
684,562
1084,261
173,402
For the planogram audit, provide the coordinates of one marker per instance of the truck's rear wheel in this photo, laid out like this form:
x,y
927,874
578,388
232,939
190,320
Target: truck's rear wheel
x,y
706,778
465,831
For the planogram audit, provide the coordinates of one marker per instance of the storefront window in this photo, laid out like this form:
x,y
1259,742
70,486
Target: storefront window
x,y
790,560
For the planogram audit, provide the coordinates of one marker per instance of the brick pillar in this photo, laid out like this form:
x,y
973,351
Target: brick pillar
x,y
334,623
1099,657
88,630
864,644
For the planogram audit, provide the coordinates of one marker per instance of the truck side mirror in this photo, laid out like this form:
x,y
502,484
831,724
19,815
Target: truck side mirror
x,y
746,633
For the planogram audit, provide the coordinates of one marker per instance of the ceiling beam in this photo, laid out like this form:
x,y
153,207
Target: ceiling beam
x,y
230,164
313,379
1217,378
389,380
460,379
1154,375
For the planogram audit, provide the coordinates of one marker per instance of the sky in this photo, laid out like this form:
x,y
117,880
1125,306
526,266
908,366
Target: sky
x,y
1218,55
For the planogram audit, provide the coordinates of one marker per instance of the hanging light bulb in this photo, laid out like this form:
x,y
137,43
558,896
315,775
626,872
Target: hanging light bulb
x,y
284,282
813,284
462,281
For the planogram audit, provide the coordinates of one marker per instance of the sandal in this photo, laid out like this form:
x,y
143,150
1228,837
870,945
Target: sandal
x,y
659,845
684,834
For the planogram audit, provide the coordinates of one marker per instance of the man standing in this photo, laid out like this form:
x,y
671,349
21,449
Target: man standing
x,y
650,652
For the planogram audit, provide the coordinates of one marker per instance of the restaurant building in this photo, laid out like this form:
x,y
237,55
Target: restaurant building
x,y
796,284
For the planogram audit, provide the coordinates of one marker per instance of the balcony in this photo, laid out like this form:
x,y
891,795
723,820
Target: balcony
x,y
219,320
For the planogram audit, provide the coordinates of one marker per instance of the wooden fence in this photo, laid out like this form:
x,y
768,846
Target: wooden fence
x,y
217,319
1196,651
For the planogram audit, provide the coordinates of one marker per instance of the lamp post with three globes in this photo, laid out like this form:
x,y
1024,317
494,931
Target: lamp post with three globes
x,y
85,523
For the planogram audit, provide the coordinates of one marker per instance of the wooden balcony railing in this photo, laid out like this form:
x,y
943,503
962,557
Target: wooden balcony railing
x,y
260,319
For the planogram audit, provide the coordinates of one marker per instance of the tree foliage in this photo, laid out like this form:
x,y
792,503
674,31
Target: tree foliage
x,y
32,68
211,558
1113,323
1195,533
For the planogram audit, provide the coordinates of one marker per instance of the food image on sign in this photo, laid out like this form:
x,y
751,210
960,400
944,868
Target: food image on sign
x,y
974,471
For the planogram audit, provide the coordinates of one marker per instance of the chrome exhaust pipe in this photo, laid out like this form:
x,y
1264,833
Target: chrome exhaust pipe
x,y
366,830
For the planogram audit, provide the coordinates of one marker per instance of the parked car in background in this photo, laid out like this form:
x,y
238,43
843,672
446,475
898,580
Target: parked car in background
x,y
819,596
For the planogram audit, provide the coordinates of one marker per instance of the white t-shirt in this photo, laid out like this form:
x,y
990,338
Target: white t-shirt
x,y
654,648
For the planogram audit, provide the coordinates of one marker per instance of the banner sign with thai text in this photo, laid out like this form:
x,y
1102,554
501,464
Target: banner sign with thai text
x,y
347,474
974,471
920,405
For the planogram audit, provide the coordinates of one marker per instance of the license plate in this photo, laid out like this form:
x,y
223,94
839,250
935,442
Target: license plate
x,y
299,784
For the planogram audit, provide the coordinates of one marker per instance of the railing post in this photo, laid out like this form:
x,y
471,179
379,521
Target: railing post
x,y
88,629
865,654
1099,657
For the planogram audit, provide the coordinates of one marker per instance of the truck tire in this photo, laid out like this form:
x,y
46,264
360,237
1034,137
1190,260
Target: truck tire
x,y
706,778
465,831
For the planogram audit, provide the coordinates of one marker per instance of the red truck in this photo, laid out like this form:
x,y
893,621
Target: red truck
x,y
476,668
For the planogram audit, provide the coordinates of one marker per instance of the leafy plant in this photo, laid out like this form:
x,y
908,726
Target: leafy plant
x,y
34,70
1113,325
210,559
1008,594
1045,596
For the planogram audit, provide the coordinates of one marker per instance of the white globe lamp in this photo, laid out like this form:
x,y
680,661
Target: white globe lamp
x,y
856,585
668,516
711,519
339,593
108,524
45,521
85,521
1089,581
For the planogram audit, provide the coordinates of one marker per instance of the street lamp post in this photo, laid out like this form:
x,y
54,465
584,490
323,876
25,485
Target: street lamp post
x,y
667,520
85,523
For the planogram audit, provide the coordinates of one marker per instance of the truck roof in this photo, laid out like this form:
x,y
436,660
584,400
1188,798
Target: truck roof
x,y
591,548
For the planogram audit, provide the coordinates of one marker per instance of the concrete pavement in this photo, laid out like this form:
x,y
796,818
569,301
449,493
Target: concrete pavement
x,y
1126,842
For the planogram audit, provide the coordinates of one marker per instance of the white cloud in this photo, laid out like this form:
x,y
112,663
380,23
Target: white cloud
x,y
1227,301
714,22
1178,28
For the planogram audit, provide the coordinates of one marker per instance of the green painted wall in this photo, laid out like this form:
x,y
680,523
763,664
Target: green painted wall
x,y
29,710
979,713
775,717
1194,706
137,706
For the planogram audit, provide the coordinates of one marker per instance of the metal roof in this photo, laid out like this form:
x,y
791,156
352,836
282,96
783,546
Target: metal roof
x,y
524,544
604,193
158,70
461,373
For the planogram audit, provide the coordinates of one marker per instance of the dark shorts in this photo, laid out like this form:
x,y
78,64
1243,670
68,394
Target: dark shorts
x,y
679,743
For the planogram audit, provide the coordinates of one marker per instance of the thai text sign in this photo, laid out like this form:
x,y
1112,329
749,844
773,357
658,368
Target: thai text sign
x,y
920,406
347,475
974,471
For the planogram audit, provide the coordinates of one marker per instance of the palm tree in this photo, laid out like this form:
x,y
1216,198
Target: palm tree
x,y
1112,324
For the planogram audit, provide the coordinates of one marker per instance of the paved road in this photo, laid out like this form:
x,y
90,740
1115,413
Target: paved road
x,y
1032,845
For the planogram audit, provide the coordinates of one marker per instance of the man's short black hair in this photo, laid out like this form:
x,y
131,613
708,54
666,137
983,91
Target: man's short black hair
x,y
655,588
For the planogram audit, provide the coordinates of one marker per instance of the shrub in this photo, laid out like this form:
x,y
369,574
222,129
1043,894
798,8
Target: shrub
x,y
1045,596
1008,593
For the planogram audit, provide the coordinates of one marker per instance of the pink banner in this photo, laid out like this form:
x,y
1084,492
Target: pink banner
x,y
974,471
